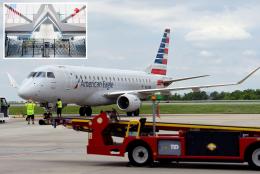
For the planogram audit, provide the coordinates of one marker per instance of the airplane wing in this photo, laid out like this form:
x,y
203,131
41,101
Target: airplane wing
x,y
194,88
168,82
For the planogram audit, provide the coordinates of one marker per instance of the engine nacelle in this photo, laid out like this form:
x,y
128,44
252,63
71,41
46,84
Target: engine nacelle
x,y
128,102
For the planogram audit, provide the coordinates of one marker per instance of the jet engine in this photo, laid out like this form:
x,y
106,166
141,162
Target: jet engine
x,y
128,102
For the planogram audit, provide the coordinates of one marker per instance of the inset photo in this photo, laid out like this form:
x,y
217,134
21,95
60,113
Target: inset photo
x,y
48,30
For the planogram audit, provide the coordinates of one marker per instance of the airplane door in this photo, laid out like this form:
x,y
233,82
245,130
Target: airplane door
x,y
69,82
52,82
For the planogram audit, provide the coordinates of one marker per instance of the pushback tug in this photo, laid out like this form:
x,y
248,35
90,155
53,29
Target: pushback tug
x,y
169,142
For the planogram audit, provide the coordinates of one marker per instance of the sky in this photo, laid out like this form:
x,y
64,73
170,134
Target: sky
x,y
218,37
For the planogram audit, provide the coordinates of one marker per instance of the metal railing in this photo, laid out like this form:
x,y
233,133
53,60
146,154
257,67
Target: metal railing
x,y
45,48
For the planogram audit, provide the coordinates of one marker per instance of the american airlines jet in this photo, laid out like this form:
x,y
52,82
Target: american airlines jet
x,y
89,86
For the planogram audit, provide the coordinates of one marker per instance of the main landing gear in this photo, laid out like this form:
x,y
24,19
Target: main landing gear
x,y
133,113
85,110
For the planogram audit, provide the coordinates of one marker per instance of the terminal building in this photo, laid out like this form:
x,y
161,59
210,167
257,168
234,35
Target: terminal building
x,y
45,30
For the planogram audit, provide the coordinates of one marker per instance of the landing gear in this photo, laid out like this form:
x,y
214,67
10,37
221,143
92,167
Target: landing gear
x,y
82,111
133,113
136,112
85,110
48,109
88,111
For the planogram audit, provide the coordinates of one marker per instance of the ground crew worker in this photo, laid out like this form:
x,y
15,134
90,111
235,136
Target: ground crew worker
x,y
59,107
30,106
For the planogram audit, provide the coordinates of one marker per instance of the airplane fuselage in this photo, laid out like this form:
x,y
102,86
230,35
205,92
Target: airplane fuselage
x,y
83,85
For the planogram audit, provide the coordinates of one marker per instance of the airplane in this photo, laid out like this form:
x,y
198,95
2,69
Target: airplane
x,y
91,86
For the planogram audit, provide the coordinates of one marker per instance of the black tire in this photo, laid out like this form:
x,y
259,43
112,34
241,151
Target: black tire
x,y
140,155
136,112
82,111
88,111
42,122
129,114
254,158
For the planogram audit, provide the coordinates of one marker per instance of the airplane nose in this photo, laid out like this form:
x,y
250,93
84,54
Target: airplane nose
x,y
24,92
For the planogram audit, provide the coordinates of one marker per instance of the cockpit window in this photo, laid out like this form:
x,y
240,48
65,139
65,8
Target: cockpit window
x,y
50,75
32,74
41,74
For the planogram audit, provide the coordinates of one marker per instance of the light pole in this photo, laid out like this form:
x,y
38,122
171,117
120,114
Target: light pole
x,y
154,117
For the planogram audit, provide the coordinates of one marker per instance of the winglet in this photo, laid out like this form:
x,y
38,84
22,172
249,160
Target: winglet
x,y
244,79
12,81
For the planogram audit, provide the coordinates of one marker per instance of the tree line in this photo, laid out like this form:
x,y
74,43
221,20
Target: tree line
x,y
249,94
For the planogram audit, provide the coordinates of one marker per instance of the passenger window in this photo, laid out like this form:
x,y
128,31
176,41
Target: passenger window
x,y
41,74
89,77
97,78
76,77
50,75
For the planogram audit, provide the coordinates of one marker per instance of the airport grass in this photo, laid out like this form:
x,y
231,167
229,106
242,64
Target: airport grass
x,y
164,109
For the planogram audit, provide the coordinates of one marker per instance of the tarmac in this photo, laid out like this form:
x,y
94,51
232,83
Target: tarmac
x,y
44,149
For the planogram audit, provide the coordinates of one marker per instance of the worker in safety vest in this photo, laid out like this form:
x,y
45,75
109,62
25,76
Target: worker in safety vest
x,y
30,107
59,107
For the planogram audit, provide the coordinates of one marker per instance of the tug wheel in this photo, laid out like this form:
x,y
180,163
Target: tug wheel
x,y
140,155
254,158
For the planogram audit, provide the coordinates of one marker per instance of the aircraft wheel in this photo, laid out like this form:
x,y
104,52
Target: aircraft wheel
x,y
88,111
136,113
82,111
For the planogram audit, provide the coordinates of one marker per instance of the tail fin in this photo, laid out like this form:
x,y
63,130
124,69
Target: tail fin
x,y
12,81
160,63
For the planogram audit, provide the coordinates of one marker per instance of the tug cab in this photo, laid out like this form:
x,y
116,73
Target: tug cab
x,y
4,114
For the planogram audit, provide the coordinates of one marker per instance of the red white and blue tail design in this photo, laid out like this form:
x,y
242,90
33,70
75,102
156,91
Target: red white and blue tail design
x,y
160,63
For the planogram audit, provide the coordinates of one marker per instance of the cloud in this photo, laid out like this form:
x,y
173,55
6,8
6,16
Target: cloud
x,y
218,33
206,53
249,53
199,25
